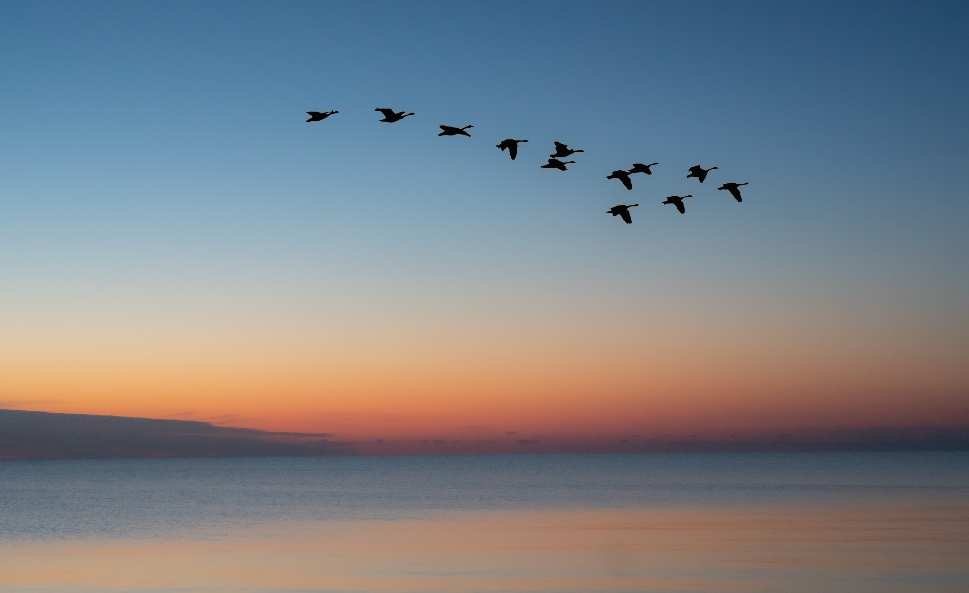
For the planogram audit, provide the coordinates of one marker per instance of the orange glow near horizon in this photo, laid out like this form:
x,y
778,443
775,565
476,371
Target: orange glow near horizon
x,y
709,378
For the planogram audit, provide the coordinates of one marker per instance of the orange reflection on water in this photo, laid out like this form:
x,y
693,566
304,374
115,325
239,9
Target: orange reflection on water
x,y
885,549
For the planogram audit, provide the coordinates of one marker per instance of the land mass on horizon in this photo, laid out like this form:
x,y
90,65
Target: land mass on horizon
x,y
30,435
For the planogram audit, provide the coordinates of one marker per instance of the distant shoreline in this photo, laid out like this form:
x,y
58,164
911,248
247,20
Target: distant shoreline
x,y
30,435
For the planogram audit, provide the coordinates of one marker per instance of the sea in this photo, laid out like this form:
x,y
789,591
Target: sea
x,y
880,522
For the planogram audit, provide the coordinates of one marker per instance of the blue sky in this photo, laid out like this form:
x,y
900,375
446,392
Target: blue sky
x,y
157,176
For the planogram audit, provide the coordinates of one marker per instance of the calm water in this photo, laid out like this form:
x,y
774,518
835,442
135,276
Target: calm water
x,y
882,522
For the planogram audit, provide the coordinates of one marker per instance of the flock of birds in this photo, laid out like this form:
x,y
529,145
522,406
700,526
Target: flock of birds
x,y
554,161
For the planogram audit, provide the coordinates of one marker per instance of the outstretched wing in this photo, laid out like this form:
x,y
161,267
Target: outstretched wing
x,y
513,149
626,181
679,206
735,192
701,175
626,216
559,145
314,115
387,112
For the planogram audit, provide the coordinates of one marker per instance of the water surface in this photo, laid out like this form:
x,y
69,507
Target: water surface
x,y
718,522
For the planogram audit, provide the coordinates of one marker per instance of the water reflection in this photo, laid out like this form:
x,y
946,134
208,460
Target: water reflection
x,y
885,549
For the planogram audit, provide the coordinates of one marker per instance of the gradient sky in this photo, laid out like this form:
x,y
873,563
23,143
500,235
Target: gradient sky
x,y
175,241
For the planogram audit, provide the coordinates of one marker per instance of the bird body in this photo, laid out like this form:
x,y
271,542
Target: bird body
x,y
621,176
512,145
319,116
734,190
452,131
641,168
562,151
678,202
556,164
699,172
623,211
391,116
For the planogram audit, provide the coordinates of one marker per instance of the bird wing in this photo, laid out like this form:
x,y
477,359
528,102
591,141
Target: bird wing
x,y
735,192
387,112
626,181
513,150
680,206
559,145
626,216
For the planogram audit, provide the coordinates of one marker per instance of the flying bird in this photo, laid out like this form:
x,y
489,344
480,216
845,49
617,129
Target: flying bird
x,y
562,151
641,168
452,131
699,172
678,202
319,116
734,190
390,116
622,210
556,164
621,176
512,145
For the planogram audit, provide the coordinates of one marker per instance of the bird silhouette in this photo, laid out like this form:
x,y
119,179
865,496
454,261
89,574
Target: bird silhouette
x,y
641,168
734,189
699,172
512,145
452,131
621,176
678,202
562,151
556,164
622,210
390,116
319,116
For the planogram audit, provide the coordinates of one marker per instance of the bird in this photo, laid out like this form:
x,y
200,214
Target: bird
x,y
512,145
622,210
734,189
556,164
699,172
452,131
678,202
562,150
621,176
641,168
390,116
319,116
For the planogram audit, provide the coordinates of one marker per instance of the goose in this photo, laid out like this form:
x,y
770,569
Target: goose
x,y
623,211
641,168
699,172
734,190
512,145
319,116
452,131
678,202
621,176
390,116
562,151
556,164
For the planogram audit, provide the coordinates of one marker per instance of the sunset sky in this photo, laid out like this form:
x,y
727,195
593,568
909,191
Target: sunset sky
x,y
176,242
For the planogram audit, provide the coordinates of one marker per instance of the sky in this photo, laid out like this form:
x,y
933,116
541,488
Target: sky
x,y
177,242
